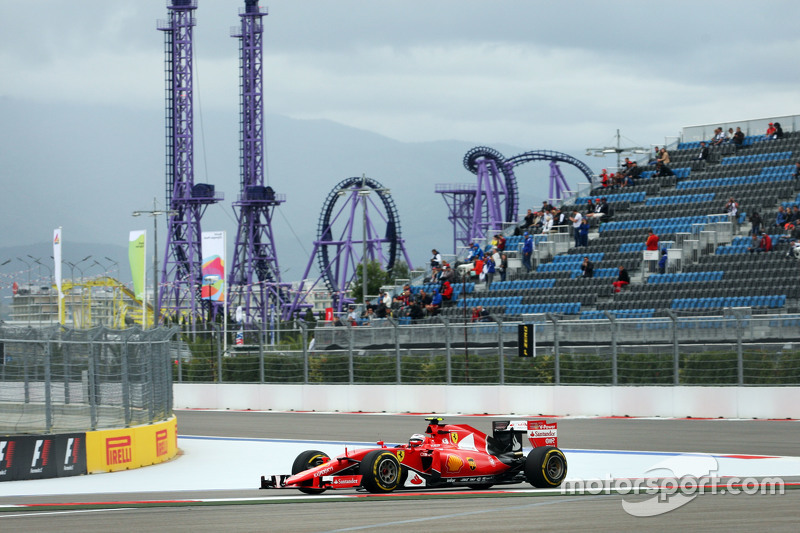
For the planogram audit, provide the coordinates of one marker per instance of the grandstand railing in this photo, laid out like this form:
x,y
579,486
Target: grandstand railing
x,y
737,348
704,132
59,380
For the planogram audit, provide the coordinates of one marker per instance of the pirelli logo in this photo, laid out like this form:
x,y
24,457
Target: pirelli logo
x,y
119,450
161,443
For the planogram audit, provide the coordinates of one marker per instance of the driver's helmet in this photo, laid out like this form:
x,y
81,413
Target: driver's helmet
x,y
417,439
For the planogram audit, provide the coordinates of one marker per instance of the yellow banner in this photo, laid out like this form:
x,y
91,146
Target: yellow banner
x,y
122,449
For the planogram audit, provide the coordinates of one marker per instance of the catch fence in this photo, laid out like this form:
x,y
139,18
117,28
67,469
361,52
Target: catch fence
x,y
56,380
735,349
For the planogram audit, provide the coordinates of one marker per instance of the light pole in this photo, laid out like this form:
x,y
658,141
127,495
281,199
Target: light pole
x,y
618,149
155,213
113,264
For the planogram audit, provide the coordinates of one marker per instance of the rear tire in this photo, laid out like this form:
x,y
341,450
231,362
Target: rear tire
x,y
381,472
545,467
309,459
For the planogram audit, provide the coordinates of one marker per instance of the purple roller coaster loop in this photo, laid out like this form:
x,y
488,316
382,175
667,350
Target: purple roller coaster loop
x,y
339,250
179,294
254,278
488,206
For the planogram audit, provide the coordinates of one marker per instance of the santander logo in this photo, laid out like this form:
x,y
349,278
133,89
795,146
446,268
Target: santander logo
x,y
416,480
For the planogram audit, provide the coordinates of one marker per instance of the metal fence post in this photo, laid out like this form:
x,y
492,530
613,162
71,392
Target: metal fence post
x,y
613,321
48,398
502,361
394,324
556,349
219,353
304,336
125,382
448,350
739,351
351,341
676,354
261,375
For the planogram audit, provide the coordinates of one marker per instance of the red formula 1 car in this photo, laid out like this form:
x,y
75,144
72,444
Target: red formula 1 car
x,y
446,455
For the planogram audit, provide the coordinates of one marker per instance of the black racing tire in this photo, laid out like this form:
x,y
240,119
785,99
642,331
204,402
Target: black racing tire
x,y
381,471
545,467
309,459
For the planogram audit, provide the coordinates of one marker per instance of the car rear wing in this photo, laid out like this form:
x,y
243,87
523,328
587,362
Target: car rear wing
x,y
539,433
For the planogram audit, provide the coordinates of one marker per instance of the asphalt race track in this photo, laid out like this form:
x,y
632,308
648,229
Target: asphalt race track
x,y
520,509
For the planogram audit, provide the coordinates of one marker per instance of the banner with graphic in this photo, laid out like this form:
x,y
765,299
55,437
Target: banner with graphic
x,y
57,259
213,250
136,257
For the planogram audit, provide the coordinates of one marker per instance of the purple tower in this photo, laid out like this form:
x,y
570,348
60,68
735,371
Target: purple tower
x,y
179,293
254,278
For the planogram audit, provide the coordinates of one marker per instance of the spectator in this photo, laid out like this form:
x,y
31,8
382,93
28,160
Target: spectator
x,y
436,260
589,206
477,269
528,220
489,268
663,156
479,314
662,262
719,137
501,242
547,223
729,136
447,274
793,218
652,241
447,291
475,252
583,231
436,302
764,244
588,268
622,280
770,131
738,138
794,249
605,180
662,170
527,251
352,316
755,221
559,217
576,219
415,311
780,218
703,155
778,131
600,209
796,174
732,210
503,268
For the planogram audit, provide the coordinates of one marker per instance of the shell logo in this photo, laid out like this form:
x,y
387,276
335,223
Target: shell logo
x,y
401,455
453,463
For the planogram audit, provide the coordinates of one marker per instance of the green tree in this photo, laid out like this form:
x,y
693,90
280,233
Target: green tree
x,y
376,278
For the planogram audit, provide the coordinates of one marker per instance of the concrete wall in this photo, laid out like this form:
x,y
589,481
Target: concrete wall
x,y
699,402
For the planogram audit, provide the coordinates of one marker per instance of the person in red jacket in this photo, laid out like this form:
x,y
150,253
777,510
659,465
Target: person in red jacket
x,y
652,241
764,244
447,291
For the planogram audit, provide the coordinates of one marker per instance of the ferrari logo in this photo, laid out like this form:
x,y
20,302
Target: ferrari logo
x,y
401,455
454,437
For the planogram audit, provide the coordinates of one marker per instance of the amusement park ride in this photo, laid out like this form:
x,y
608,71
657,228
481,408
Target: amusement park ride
x,y
254,283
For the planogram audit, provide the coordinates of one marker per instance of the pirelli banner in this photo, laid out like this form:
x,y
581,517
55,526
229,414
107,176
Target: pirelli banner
x,y
123,449
45,456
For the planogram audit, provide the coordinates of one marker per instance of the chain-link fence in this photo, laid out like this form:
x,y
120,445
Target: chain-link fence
x,y
736,349
59,380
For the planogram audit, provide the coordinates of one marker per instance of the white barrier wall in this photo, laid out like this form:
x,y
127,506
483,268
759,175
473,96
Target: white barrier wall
x,y
681,402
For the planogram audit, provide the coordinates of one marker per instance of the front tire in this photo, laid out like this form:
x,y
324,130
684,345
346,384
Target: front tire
x,y
545,467
309,459
381,471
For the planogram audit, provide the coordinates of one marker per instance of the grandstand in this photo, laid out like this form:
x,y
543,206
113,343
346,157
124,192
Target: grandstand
x,y
709,266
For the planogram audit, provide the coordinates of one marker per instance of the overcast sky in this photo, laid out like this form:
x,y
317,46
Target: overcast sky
x,y
559,75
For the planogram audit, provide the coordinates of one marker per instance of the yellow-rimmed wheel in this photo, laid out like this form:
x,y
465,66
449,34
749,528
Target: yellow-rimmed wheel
x,y
381,471
545,467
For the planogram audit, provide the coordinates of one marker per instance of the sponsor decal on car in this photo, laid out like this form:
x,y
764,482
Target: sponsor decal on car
x,y
453,463
415,481
346,481
401,455
324,471
471,463
454,437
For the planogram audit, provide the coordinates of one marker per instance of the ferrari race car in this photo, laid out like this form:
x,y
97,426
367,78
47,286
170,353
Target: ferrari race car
x,y
446,455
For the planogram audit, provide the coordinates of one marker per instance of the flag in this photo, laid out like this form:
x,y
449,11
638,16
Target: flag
x,y
239,338
57,259
213,250
136,256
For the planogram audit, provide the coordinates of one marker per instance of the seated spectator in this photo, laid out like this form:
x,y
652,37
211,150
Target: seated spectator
x,y
352,316
662,170
762,244
528,221
423,298
663,156
794,249
792,218
560,218
588,268
652,241
796,174
447,274
436,260
622,280
479,314
770,131
547,224
600,209
780,218
447,291
475,252
778,131
738,138
662,262
589,206
703,154
719,137
501,242
415,311
755,221
436,302
729,136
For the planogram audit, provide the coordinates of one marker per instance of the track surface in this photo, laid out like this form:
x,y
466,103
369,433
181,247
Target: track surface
x,y
468,513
